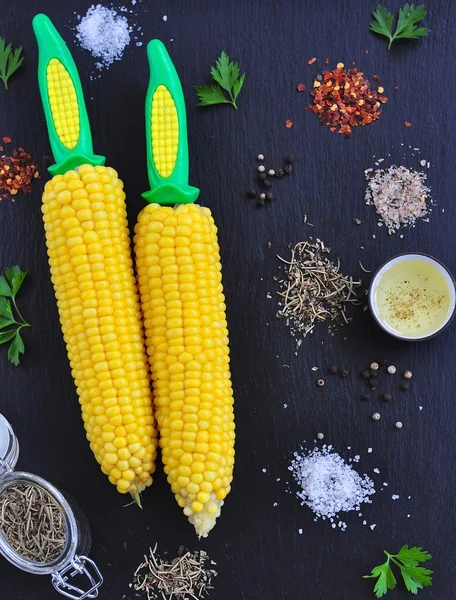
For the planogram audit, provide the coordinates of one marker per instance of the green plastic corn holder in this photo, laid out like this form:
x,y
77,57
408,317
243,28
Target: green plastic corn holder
x,y
51,46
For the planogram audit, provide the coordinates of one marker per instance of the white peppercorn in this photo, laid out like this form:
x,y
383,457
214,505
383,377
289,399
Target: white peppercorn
x,y
271,172
407,375
260,157
320,383
391,369
376,416
261,169
320,436
374,366
398,425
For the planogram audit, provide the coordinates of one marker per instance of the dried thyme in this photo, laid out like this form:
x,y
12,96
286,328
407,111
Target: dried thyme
x,y
313,290
186,577
32,523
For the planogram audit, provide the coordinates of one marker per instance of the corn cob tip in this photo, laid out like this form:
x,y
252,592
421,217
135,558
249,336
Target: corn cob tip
x,y
204,521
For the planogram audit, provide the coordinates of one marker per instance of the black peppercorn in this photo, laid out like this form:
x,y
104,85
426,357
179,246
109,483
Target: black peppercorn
x,y
373,382
405,386
280,173
289,159
365,374
333,369
251,194
266,183
261,176
387,397
373,373
365,397
260,202
288,169
384,362
344,373
270,196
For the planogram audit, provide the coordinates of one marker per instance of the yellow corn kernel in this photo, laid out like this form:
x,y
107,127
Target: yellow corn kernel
x,y
63,102
187,345
99,314
164,132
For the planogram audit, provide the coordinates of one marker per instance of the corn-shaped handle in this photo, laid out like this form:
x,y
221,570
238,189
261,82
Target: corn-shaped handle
x,y
166,132
63,101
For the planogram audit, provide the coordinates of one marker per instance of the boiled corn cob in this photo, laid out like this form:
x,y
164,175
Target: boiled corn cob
x,y
88,246
179,275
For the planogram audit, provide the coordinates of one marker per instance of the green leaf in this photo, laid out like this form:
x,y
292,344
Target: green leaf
x,y
412,556
226,76
5,289
381,587
16,278
6,336
16,348
409,15
238,85
383,23
5,309
386,580
10,61
210,94
5,323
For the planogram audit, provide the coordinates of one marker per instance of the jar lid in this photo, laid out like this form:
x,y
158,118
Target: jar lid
x,y
9,447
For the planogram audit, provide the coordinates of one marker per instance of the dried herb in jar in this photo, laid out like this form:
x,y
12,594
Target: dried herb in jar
x,y
344,99
32,523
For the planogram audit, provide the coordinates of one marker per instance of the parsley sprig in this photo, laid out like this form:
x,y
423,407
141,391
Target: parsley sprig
x,y
414,576
10,61
226,76
10,327
406,27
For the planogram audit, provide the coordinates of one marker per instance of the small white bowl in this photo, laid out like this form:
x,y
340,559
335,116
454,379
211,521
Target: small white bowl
x,y
406,257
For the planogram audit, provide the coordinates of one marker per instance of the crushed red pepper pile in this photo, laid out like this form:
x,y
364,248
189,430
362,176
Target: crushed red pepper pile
x,y
17,171
343,99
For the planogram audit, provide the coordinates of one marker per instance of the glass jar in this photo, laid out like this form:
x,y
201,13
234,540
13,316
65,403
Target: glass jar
x,y
71,570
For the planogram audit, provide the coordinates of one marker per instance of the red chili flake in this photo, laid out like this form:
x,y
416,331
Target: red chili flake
x,y
301,87
288,124
407,124
17,172
7,140
395,88
366,51
343,99
376,78
326,61
311,61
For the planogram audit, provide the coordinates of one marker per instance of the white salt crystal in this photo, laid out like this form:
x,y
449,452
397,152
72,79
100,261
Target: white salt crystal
x,y
364,522
376,470
385,484
408,516
329,485
420,407
300,531
104,33
285,405
165,18
264,470
275,504
369,450
395,497
373,526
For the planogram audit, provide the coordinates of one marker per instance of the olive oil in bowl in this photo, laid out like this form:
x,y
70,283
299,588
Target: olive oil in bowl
x,y
412,296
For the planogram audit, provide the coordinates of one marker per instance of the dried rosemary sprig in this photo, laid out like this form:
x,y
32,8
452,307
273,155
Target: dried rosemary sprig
x,y
32,523
313,290
185,577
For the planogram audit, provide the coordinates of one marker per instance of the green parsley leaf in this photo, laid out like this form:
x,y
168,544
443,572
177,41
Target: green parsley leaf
x,y
210,94
10,61
406,27
5,289
9,287
16,348
414,576
226,76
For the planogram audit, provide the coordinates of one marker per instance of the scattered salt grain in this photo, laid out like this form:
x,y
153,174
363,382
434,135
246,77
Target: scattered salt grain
x,y
165,18
328,484
369,450
385,484
373,526
408,516
105,33
420,407
300,531
377,471
264,470
395,497
275,504
285,405
364,522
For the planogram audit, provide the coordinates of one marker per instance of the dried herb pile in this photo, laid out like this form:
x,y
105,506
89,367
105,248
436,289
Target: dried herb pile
x,y
399,195
188,576
32,523
313,289
343,99
17,171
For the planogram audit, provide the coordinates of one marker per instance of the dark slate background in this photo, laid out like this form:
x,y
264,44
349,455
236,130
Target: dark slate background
x,y
259,552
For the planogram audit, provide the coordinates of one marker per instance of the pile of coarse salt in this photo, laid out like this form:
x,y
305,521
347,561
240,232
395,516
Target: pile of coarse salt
x,y
105,33
329,485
